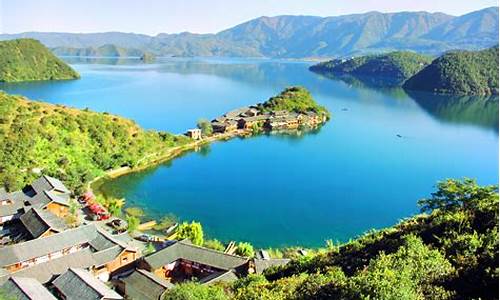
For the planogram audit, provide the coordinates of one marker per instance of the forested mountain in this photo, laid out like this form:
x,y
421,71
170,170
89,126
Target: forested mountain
x,y
459,73
29,60
306,36
395,66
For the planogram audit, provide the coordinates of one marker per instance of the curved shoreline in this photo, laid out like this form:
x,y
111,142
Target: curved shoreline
x,y
164,156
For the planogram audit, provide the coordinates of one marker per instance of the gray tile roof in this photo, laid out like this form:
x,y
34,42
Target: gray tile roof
x,y
3,194
145,285
224,276
45,272
79,284
23,288
91,234
262,264
17,206
38,221
43,246
194,253
47,183
106,255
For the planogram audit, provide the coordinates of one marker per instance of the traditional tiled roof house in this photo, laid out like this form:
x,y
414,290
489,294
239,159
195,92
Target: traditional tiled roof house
x,y
80,284
85,247
22,288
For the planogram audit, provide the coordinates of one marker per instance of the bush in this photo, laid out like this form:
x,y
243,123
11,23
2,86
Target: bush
x,y
245,249
193,232
195,291
214,244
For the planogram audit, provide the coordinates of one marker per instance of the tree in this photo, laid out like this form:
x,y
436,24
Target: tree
x,y
192,231
245,249
214,244
150,248
195,291
133,223
205,126
455,194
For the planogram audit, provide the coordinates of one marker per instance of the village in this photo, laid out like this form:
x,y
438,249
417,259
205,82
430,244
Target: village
x,y
55,244
253,119
43,257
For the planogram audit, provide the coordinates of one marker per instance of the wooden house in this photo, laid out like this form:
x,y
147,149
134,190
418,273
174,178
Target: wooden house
x,y
84,247
42,223
78,283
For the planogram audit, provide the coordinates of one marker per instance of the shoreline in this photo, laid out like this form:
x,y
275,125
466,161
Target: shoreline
x,y
163,156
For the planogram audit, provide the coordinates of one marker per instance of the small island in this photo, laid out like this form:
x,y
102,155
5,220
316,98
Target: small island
x,y
292,109
148,57
29,60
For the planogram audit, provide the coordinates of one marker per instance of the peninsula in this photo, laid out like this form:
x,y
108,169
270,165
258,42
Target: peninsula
x,y
396,67
453,73
29,60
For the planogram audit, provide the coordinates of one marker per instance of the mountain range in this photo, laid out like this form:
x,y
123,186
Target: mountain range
x,y
300,36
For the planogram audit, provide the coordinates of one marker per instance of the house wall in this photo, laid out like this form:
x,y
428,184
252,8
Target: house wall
x,y
123,259
41,259
57,209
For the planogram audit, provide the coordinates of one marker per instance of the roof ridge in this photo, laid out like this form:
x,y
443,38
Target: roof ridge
x,y
76,272
212,250
109,237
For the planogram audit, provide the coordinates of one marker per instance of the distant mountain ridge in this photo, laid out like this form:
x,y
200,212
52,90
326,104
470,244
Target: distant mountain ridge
x,y
306,36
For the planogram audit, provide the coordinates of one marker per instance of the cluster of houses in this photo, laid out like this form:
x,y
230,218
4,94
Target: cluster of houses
x,y
251,117
43,258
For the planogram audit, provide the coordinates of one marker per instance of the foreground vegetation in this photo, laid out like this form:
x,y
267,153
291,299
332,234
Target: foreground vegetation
x,y
460,73
450,251
73,145
28,60
395,66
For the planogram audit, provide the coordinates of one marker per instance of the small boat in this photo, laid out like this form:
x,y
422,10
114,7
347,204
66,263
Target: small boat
x,y
171,229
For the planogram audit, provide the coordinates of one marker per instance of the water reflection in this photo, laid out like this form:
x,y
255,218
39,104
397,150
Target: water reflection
x,y
474,110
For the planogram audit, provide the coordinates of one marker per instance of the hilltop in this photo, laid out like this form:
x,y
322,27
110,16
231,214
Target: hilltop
x,y
74,145
293,99
459,73
397,66
29,60
306,36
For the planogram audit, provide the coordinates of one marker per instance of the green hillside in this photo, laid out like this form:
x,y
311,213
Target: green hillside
x,y
71,144
459,73
448,252
29,60
398,66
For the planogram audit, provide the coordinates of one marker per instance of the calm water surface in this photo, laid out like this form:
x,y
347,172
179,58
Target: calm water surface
x,y
352,175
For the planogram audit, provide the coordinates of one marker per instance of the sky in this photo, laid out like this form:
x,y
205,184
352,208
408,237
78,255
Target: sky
x,y
198,16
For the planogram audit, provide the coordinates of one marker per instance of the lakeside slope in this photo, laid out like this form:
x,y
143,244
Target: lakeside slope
x,y
29,60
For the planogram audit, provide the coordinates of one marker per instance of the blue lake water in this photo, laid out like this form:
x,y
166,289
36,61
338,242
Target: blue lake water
x,y
352,175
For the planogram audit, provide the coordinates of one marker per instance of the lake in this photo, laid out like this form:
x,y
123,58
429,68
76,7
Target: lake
x,y
366,168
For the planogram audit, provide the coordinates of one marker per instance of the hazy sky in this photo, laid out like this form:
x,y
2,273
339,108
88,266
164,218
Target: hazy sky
x,y
201,16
